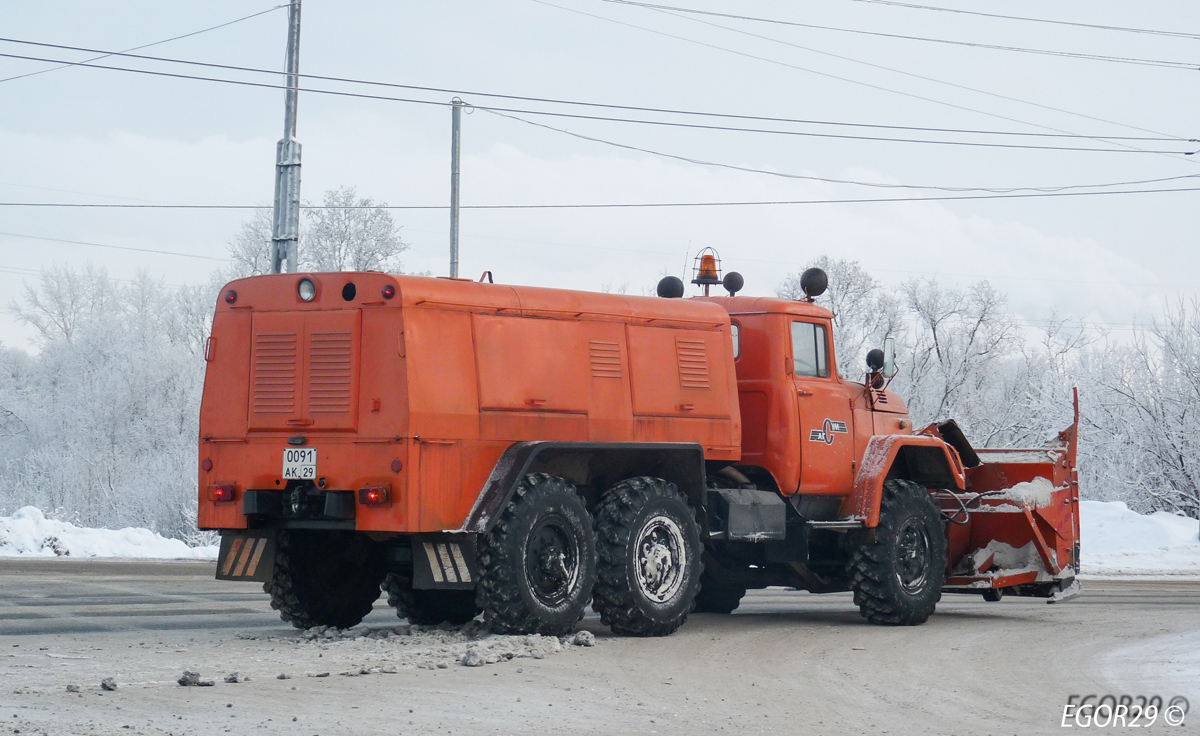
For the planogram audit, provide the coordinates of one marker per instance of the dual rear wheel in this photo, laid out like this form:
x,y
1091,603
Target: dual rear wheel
x,y
546,555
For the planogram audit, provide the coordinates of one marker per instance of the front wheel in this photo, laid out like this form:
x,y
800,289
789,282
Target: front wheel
x,y
898,578
538,564
649,547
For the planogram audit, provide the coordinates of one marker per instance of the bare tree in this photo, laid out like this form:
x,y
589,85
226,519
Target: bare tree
x,y
62,299
959,336
350,233
250,249
354,234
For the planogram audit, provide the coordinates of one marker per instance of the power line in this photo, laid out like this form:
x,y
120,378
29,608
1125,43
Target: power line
x,y
1151,31
547,100
793,263
673,124
864,63
612,205
1047,52
828,180
114,247
104,55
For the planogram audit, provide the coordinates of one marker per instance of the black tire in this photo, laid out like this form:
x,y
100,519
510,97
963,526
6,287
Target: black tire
x,y
718,593
538,564
897,579
993,595
429,607
650,566
324,578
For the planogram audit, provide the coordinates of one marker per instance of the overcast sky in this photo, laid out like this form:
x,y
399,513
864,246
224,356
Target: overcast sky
x,y
102,136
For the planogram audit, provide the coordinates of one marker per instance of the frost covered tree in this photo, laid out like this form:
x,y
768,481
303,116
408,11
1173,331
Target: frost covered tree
x,y
62,299
347,233
250,249
106,412
351,233
959,339
1146,413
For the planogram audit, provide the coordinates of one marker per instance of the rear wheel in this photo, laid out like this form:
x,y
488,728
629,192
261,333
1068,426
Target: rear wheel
x,y
898,578
649,547
429,607
324,578
538,564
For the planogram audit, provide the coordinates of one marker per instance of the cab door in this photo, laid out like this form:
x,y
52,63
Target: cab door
x,y
826,419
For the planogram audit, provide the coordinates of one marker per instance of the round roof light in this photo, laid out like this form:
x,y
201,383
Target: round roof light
x,y
307,290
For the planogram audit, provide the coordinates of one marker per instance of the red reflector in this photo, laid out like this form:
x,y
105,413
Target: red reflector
x,y
389,291
206,465
397,466
230,296
221,493
376,496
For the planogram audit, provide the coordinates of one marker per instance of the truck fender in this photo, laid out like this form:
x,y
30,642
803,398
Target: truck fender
x,y
681,463
923,459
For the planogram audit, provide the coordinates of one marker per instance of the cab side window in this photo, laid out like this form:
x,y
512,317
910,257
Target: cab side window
x,y
809,353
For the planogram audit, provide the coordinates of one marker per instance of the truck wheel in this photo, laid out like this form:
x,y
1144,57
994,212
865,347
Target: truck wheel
x,y
650,565
898,578
717,593
429,607
324,578
538,564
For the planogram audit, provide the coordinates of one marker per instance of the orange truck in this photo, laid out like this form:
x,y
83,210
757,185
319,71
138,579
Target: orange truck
x,y
524,452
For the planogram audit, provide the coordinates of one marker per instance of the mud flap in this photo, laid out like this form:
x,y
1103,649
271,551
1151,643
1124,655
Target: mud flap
x,y
247,555
444,561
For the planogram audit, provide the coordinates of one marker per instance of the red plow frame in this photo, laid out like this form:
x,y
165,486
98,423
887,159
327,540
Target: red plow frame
x,y
1015,529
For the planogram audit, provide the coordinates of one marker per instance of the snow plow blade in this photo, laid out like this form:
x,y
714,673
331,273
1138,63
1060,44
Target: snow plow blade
x,y
1015,529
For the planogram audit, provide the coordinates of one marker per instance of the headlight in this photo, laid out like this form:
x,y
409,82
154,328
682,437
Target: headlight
x,y
307,290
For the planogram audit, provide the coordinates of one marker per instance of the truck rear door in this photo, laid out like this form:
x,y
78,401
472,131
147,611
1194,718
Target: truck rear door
x,y
304,371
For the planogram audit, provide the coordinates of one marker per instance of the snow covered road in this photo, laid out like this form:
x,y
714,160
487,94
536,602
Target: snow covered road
x,y
784,663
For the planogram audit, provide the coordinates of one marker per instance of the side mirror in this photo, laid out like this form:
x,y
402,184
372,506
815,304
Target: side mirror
x,y
889,358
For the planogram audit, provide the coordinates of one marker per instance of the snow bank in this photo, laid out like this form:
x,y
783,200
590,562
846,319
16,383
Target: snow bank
x,y
28,533
1117,541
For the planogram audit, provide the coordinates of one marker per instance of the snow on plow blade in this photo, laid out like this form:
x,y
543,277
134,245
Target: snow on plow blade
x,y
1015,530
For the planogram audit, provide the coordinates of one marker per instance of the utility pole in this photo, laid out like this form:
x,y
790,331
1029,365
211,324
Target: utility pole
x,y
455,128
285,226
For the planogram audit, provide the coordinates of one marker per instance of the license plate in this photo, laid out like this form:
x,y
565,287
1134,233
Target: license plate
x,y
300,464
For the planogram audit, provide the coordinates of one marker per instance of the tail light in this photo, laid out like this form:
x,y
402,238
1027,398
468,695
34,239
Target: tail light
x,y
222,493
373,496
389,291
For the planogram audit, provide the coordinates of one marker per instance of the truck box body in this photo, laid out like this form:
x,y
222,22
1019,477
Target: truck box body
x,y
423,391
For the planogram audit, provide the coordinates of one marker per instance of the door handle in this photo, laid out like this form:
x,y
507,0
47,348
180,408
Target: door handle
x,y
802,392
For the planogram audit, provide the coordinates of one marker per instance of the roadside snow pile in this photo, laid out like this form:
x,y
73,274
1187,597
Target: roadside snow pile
x,y
1117,541
28,533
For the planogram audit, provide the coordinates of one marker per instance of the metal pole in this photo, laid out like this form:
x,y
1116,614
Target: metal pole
x,y
285,226
455,128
